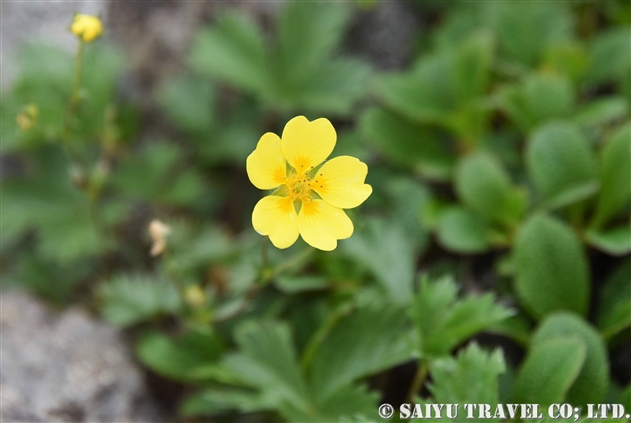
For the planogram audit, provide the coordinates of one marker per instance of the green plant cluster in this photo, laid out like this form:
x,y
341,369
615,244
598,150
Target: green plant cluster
x,y
500,161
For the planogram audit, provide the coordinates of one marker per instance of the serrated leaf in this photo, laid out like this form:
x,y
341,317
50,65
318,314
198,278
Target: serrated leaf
x,y
406,143
307,33
592,382
389,254
549,370
365,343
153,176
425,92
615,302
130,299
614,241
483,185
267,361
214,401
550,267
233,50
463,231
188,101
471,377
615,175
179,358
443,321
334,89
561,164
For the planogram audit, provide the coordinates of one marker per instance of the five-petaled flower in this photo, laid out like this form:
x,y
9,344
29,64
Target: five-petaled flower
x,y
310,196
87,28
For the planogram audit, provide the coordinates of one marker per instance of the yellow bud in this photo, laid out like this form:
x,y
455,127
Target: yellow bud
x,y
87,28
195,295
27,118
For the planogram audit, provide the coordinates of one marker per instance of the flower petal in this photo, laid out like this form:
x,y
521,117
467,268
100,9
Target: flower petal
x,y
266,165
307,144
276,216
340,182
321,224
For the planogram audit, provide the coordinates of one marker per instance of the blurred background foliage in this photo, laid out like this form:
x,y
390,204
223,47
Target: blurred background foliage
x,y
500,159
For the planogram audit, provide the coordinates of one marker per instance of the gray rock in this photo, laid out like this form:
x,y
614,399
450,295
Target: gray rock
x,y
66,367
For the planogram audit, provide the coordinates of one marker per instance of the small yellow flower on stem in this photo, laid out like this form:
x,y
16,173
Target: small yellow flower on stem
x,y
159,232
310,196
87,28
27,118
195,296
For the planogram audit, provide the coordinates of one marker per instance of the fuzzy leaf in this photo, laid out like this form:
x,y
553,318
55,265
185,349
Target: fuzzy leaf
x,y
592,383
561,164
463,231
549,370
551,268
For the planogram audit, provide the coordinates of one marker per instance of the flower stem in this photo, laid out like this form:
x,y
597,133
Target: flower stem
x,y
419,379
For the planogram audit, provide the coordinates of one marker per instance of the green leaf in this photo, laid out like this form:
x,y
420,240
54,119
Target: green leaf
x,y
615,176
154,175
188,101
483,185
46,200
524,30
425,93
307,34
538,99
615,302
551,268
333,89
471,377
443,321
610,55
296,284
267,361
471,68
130,299
406,143
194,247
561,164
181,358
214,401
233,50
364,343
602,111
463,231
388,252
615,241
592,383
549,370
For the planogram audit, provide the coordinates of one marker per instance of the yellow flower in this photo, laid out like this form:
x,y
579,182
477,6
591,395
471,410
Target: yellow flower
x,y
27,118
159,232
309,198
87,28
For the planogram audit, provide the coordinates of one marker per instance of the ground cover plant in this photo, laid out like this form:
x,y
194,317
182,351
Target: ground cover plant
x,y
484,252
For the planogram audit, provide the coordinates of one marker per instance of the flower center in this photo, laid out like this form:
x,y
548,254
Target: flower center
x,y
299,186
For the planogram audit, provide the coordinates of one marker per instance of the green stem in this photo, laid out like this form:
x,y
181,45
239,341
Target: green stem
x,y
419,379
319,336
